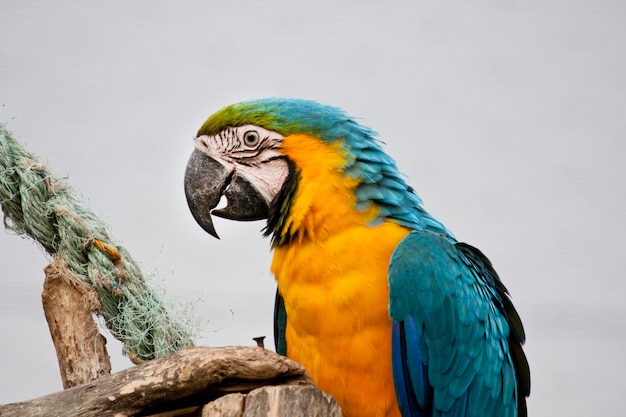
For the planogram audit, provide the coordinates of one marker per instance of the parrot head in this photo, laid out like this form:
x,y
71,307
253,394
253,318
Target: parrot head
x,y
257,152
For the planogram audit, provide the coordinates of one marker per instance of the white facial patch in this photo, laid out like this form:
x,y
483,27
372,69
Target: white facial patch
x,y
251,151
267,178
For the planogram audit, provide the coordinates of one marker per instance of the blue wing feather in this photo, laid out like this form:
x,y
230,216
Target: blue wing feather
x,y
280,325
416,359
446,296
409,370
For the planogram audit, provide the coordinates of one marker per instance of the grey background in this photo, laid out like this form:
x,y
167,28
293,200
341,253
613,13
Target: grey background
x,y
507,117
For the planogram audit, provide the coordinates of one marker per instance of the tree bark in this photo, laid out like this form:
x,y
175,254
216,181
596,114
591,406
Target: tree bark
x,y
81,349
183,380
290,401
275,401
230,405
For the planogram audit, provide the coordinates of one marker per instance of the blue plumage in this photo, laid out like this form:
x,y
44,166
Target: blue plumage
x,y
434,285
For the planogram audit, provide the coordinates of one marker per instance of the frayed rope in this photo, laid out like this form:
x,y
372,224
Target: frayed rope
x,y
39,205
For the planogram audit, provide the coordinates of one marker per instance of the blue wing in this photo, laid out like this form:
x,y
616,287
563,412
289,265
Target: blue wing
x,y
456,339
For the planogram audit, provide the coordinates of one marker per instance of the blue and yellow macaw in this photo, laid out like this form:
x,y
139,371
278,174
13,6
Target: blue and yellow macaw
x,y
387,311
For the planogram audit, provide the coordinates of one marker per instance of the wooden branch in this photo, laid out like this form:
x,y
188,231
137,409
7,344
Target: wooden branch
x,y
184,379
81,349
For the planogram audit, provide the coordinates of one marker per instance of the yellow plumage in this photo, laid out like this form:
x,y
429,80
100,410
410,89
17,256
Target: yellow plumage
x,y
333,278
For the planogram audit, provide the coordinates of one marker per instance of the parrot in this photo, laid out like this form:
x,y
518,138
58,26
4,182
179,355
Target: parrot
x,y
386,310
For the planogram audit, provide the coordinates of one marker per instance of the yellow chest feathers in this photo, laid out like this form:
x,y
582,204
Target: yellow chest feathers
x,y
333,278
338,325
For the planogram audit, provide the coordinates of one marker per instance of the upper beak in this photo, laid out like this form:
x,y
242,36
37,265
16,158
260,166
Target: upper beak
x,y
206,180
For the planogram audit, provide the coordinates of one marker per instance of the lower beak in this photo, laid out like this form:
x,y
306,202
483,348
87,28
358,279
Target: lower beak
x,y
206,180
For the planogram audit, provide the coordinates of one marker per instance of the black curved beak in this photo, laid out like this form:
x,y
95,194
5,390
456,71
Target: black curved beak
x,y
206,180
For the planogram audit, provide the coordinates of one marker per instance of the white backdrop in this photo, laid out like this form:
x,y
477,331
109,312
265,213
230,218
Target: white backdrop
x,y
507,117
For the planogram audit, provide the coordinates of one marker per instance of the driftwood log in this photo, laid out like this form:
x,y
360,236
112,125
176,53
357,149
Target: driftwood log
x,y
181,384
81,349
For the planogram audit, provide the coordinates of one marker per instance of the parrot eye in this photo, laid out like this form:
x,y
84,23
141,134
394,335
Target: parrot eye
x,y
251,138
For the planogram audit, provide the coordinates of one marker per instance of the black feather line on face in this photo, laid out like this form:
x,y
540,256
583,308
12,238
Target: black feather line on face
x,y
243,155
280,208
228,140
